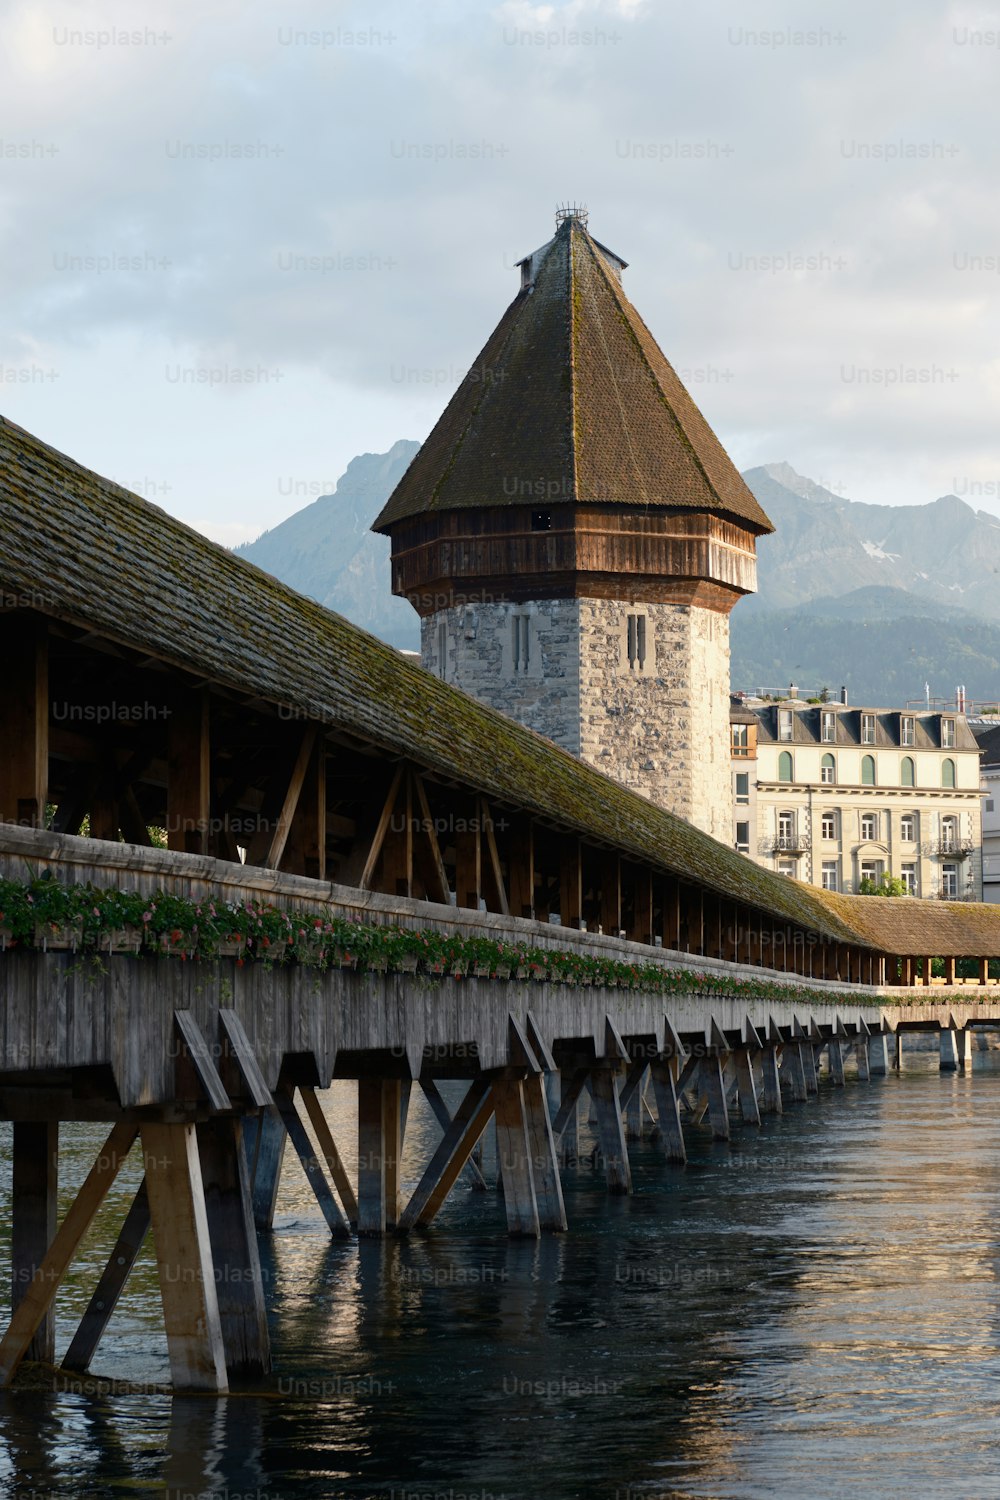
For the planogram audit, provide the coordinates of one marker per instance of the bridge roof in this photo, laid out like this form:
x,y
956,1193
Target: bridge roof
x,y
83,550
572,399
913,928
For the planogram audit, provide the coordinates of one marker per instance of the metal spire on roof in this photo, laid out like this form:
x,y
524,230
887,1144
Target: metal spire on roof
x,y
577,211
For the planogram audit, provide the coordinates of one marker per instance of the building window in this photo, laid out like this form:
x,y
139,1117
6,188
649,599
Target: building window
x,y
785,766
906,729
871,869
741,739
520,641
786,867
949,835
906,772
948,772
989,804
868,770
831,875
947,734
869,827
636,643
868,729
828,770
949,882
541,520
828,825
442,651
908,875
743,787
828,727
908,828
743,838
784,723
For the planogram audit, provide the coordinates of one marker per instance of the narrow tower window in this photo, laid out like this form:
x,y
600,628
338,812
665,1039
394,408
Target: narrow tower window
x,y
442,651
520,642
636,641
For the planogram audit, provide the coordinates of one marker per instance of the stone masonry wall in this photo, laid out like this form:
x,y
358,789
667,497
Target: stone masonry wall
x,y
661,727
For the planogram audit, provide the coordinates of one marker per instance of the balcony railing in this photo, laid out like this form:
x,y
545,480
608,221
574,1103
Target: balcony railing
x,y
787,843
954,848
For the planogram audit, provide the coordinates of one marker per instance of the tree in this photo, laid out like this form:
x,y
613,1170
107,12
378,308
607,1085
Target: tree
x,y
888,885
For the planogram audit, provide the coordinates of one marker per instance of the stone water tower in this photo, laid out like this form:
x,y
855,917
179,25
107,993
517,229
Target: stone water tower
x,y
573,536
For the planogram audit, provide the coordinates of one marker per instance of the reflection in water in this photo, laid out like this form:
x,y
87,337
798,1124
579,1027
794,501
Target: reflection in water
x,y
811,1309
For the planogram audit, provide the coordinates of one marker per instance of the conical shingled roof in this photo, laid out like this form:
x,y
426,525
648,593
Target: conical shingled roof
x,y
571,399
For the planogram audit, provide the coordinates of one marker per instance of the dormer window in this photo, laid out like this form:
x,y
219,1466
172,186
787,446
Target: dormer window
x,y
948,734
906,729
828,727
784,723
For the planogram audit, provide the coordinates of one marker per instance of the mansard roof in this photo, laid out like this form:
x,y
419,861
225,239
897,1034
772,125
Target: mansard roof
x,y
807,726
572,399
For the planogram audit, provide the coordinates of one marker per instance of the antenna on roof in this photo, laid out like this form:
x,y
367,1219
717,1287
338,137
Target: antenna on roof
x,y
577,211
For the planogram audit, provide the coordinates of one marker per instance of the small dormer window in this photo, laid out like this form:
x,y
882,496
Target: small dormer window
x,y
541,520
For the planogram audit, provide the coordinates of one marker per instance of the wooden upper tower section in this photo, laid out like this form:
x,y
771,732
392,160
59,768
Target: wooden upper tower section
x,y
571,461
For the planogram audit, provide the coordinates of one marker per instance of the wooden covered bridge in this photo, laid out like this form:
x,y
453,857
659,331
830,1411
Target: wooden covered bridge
x,y
246,849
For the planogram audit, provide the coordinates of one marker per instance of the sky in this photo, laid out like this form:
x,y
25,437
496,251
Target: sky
x,y
243,242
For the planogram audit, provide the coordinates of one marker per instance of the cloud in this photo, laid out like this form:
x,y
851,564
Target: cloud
x,y
342,196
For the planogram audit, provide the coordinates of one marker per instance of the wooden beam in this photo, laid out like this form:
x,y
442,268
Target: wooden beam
x,y
305,848
469,859
233,1240
238,1063
611,894
24,721
493,881
111,1285
381,829
514,1156
195,1062
611,1133
40,1294
328,1146
299,1138
441,1173
296,782
442,1114
542,1156
428,861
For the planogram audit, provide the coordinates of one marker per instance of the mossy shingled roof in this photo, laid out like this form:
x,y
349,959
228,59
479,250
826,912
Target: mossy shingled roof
x,y
571,399
82,549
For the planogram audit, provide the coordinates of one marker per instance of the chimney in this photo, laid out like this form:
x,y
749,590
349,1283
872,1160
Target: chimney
x,y
960,698
793,691
843,696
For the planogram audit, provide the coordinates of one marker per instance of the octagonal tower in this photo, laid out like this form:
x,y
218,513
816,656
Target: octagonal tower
x,y
573,536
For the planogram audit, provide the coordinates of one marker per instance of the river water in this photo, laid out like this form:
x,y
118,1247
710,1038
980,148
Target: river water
x,y
812,1310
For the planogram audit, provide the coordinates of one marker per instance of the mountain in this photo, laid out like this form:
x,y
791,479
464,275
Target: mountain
x,y
328,550
825,545
882,644
878,598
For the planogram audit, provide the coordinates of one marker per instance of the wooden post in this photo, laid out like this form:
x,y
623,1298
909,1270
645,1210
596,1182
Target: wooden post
x,y
189,773
835,1052
792,1068
380,1139
443,1116
542,1152
238,1283
566,1128
521,866
469,861
927,970
24,725
27,1317
310,1163
948,1050
749,1108
878,1055
611,894
514,1156
184,1258
264,1142
604,1088
949,970
984,971
964,1039
770,1081
34,1199
641,929
668,1113
570,881
715,1089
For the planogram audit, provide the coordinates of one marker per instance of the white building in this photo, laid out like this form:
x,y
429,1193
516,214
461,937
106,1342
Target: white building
x,y
833,795
987,733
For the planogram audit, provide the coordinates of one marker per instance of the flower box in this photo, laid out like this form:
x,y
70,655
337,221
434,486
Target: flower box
x,y
344,960
231,947
521,972
7,938
458,971
438,966
406,963
51,938
481,971
377,964
502,972
119,940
